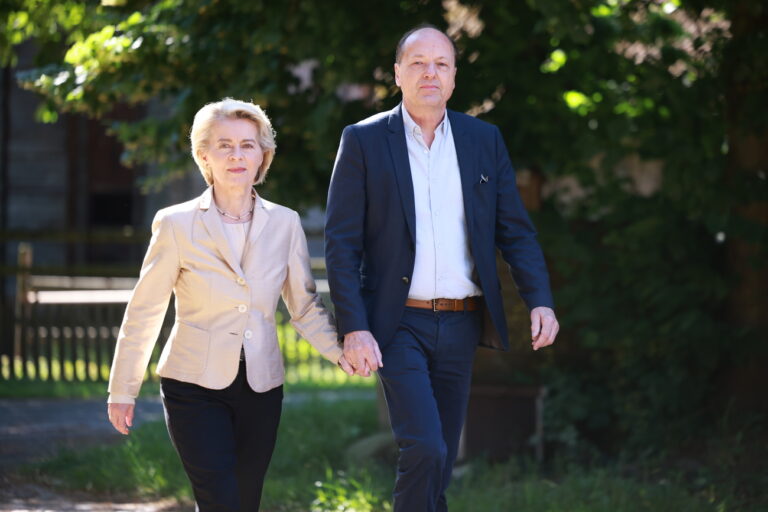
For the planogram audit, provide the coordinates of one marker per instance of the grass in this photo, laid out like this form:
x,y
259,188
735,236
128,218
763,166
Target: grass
x,y
26,389
310,472
504,487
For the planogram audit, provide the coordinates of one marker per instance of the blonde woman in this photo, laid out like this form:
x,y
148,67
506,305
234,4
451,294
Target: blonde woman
x,y
228,256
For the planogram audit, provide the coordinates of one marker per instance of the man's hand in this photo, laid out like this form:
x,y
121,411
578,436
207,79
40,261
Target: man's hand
x,y
544,327
362,352
121,417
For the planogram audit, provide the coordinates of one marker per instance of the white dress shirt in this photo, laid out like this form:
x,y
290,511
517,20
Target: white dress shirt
x,y
444,266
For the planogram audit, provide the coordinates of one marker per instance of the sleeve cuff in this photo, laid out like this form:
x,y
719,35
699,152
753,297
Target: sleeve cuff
x,y
120,399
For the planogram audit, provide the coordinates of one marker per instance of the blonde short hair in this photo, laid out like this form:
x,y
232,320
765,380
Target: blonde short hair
x,y
229,108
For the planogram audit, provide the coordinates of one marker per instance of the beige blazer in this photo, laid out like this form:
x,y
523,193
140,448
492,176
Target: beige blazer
x,y
220,306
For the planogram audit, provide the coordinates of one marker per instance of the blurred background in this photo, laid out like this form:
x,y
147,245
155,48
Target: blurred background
x,y
639,132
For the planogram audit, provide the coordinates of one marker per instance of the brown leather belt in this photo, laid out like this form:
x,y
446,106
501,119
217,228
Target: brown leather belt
x,y
468,304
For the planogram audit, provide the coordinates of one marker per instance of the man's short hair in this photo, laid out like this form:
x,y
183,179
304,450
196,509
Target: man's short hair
x,y
401,43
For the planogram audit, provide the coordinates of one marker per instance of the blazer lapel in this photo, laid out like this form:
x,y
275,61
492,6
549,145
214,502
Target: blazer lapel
x,y
258,222
399,151
465,154
213,224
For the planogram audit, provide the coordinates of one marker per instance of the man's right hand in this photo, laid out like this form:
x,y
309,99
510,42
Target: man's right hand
x,y
362,352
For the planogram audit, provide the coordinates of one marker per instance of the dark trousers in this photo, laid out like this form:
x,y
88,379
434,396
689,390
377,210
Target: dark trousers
x,y
224,438
426,378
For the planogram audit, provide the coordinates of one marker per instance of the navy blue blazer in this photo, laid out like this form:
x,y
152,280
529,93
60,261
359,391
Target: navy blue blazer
x,y
371,223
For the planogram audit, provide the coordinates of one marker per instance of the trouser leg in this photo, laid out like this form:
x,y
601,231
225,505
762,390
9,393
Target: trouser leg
x,y
201,429
426,374
256,420
451,376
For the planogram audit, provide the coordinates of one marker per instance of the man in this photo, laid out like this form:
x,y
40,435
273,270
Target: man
x,y
419,200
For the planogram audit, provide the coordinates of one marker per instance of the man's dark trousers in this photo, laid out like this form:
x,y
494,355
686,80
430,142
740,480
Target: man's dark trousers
x,y
426,379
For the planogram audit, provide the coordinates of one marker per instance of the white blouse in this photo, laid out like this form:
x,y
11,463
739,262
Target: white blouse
x,y
237,234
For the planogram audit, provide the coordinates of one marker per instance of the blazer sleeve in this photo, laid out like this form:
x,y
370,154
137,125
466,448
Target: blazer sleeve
x,y
308,314
145,313
344,233
516,236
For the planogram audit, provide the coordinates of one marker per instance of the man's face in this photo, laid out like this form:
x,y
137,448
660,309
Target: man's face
x,y
426,72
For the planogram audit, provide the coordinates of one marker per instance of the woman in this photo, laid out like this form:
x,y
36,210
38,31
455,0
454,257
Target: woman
x,y
227,255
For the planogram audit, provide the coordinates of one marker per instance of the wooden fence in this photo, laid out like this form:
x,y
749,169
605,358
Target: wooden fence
x,y
69,334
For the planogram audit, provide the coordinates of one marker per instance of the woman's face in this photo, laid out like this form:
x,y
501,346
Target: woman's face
x,y
233,153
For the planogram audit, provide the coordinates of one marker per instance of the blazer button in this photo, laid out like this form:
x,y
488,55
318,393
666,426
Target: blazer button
x,y
248,334
241,281
242,308
406,280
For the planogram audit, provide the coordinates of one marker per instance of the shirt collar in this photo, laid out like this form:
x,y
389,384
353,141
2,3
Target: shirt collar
x,y
414,129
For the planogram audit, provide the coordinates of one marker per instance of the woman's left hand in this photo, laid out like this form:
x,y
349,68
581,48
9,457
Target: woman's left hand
x,y
121,417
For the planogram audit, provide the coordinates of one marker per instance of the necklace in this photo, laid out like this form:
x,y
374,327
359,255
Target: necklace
x,y
242,216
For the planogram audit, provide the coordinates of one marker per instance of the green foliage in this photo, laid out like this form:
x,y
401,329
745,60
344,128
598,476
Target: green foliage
x,y
340,492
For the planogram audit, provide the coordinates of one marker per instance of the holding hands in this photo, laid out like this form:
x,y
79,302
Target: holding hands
x,y
361,353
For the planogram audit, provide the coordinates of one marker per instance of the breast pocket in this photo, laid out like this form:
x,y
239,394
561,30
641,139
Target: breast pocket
x,y
485,188
188,351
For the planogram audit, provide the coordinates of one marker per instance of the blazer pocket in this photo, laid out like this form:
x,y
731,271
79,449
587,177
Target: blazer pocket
x,y
188,352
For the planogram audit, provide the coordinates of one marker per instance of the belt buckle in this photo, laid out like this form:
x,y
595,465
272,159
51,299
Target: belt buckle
x,y
434,305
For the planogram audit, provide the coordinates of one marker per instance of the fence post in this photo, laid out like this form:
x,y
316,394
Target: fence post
x,y
21,308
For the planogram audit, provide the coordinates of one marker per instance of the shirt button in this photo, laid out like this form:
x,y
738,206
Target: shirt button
x,y
242,308
240,281
248,334
406,280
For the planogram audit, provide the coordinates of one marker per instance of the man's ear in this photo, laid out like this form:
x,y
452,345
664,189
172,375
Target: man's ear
x,y
397,74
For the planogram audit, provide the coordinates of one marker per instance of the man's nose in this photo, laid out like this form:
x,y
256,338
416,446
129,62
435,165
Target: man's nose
x,y
430,69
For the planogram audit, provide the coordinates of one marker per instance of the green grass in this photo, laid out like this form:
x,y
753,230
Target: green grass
x,y
487,488
310,472
23,389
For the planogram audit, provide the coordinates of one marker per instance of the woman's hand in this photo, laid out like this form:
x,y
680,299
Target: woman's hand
x,y
344,365
121,417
